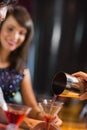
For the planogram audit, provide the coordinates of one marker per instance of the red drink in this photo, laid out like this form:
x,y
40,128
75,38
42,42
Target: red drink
x,y
48,118
15,113
15,117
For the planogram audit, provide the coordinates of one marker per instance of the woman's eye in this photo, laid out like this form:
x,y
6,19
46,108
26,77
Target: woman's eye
x,y
10,29
22,33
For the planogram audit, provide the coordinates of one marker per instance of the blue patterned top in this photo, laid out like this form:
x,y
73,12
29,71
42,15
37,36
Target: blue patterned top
x,y
10,83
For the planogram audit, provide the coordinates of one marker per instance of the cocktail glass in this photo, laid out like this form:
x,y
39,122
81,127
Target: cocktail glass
x,y
50,109
15,115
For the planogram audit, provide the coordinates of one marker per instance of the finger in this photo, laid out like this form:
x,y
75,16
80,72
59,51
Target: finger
x,y
81,75
57,121
83,96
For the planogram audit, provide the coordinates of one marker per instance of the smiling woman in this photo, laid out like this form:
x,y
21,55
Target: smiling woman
x,y
16,34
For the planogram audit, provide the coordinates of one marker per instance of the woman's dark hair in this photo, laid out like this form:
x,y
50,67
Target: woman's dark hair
x,y
18,57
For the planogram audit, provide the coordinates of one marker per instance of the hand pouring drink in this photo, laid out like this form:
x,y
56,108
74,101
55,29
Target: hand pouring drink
x,y
66,85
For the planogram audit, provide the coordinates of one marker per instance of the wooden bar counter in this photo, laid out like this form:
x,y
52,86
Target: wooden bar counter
x,y
69,114
31,124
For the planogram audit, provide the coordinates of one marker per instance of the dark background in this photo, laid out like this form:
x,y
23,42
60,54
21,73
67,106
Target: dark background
x,y
60,40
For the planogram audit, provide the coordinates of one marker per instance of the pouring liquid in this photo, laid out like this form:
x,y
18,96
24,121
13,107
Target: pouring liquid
x,y
67,93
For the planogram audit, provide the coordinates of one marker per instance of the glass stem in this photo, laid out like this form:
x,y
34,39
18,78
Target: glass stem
x,y
11,127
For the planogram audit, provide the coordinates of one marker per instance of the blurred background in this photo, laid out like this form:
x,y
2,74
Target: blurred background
x,y
59,43
60,39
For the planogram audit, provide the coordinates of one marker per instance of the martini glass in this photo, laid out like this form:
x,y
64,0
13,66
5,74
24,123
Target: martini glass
x,y
15,115
50,109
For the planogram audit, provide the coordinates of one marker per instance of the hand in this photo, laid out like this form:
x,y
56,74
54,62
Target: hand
x,y
57,121
83,76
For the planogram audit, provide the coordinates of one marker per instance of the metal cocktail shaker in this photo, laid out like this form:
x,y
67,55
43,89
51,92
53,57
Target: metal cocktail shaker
x,y
66,85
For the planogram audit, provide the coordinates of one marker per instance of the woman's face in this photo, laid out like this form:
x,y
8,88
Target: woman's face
x,y
12,35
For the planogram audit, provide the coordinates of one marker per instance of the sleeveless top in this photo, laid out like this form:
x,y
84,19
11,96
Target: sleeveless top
x,y
10,82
